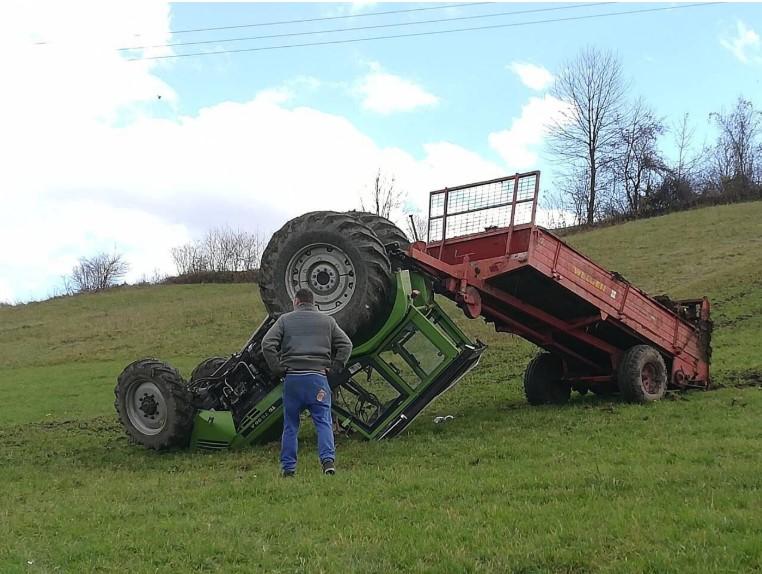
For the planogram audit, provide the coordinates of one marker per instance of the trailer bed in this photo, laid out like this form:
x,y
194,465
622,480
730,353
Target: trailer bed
x,y
489,256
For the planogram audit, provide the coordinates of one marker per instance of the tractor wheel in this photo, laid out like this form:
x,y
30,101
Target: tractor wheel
x,y
207,367
153,405
542,381
336,257
384,229
642,375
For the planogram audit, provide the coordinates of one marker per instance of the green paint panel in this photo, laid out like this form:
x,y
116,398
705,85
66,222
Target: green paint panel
x,y
213,430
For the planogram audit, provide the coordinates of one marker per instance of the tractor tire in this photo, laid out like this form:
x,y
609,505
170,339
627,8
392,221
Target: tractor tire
x,y
340,260
153,405
207,367
542,381
642,375
384,229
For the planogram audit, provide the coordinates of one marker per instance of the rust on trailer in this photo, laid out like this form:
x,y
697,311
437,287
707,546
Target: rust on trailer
x,y
490,257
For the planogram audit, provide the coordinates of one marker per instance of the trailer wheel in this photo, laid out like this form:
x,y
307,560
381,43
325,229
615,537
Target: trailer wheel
x,y
207,367
542,381
340,260
154,405
642,375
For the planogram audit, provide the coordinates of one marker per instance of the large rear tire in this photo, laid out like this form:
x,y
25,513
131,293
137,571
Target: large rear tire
x,y
642,375
153,405
542,381
340,260
386,231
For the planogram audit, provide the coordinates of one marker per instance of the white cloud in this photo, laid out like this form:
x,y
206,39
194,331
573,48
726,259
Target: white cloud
x,y
386,93
519,144
531,75
745,45
94,161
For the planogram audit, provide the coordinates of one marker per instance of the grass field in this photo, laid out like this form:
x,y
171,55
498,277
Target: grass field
x,y
595,486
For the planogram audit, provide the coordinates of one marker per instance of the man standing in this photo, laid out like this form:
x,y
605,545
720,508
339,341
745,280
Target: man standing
x,y
305,345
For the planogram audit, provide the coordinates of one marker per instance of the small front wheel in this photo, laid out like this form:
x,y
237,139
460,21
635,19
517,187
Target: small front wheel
x,y
154,405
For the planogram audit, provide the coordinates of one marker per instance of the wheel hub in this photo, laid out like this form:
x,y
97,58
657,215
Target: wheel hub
x,y
648,379
146,407
326,271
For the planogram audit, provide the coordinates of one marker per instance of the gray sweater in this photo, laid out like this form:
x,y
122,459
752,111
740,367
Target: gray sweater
x,y
305,340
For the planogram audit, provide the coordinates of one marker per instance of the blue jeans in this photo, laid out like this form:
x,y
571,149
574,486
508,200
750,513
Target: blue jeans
x,y
306,391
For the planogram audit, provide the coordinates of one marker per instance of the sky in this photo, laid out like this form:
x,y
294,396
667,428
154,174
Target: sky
x,y
103,149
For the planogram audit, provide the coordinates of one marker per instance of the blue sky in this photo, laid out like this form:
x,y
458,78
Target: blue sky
x,y
97,161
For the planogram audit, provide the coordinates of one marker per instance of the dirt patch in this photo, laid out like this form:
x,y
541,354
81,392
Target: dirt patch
x,y
738,379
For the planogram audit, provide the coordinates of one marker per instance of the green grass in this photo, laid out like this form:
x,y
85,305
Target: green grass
x,y
596,486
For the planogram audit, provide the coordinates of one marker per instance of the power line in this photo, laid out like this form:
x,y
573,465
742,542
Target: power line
x,y
321,19
324,18
429,33
373,26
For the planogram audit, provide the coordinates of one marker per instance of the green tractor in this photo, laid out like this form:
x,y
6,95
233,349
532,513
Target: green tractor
x,y
407,351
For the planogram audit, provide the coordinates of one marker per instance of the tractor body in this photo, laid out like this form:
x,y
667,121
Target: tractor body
x,y
417,354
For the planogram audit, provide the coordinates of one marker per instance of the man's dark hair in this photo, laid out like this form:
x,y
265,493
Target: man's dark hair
x,y
305,296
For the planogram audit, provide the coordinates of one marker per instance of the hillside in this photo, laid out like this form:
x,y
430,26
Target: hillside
x,y
597,485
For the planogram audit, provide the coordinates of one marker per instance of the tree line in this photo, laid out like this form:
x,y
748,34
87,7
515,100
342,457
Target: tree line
x,y
608,148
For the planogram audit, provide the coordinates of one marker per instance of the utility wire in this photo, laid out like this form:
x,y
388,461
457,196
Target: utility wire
x,y
321,19
324,18
429,33
373,26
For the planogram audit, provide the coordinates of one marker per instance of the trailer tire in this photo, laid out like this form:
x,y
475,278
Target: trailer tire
x,y
154,405
206,368
340,260
542,381
642,375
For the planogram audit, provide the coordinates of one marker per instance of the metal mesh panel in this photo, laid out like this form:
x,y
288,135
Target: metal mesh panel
x,y
479,197
436,205
526,187
482,206
435,229
523,214
477,221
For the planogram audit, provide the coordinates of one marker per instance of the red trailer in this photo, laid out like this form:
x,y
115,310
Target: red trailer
x,y
599,331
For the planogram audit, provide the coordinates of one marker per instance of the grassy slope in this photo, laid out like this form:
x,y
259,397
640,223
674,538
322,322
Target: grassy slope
x,y
596,486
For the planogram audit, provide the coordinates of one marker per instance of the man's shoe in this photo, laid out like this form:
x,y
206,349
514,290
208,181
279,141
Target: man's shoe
x,y
329,467
288,473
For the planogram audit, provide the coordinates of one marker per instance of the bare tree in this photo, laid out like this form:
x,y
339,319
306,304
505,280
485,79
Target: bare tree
x,y
221,249
637,162
96,273
738,148
584,134
417,226
384,197
688,160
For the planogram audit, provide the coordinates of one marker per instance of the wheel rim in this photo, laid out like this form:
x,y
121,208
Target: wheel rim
x,y
649,379
146,407
326,271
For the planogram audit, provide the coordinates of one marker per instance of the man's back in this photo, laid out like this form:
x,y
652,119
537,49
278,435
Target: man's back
x,y
304,344
305,340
